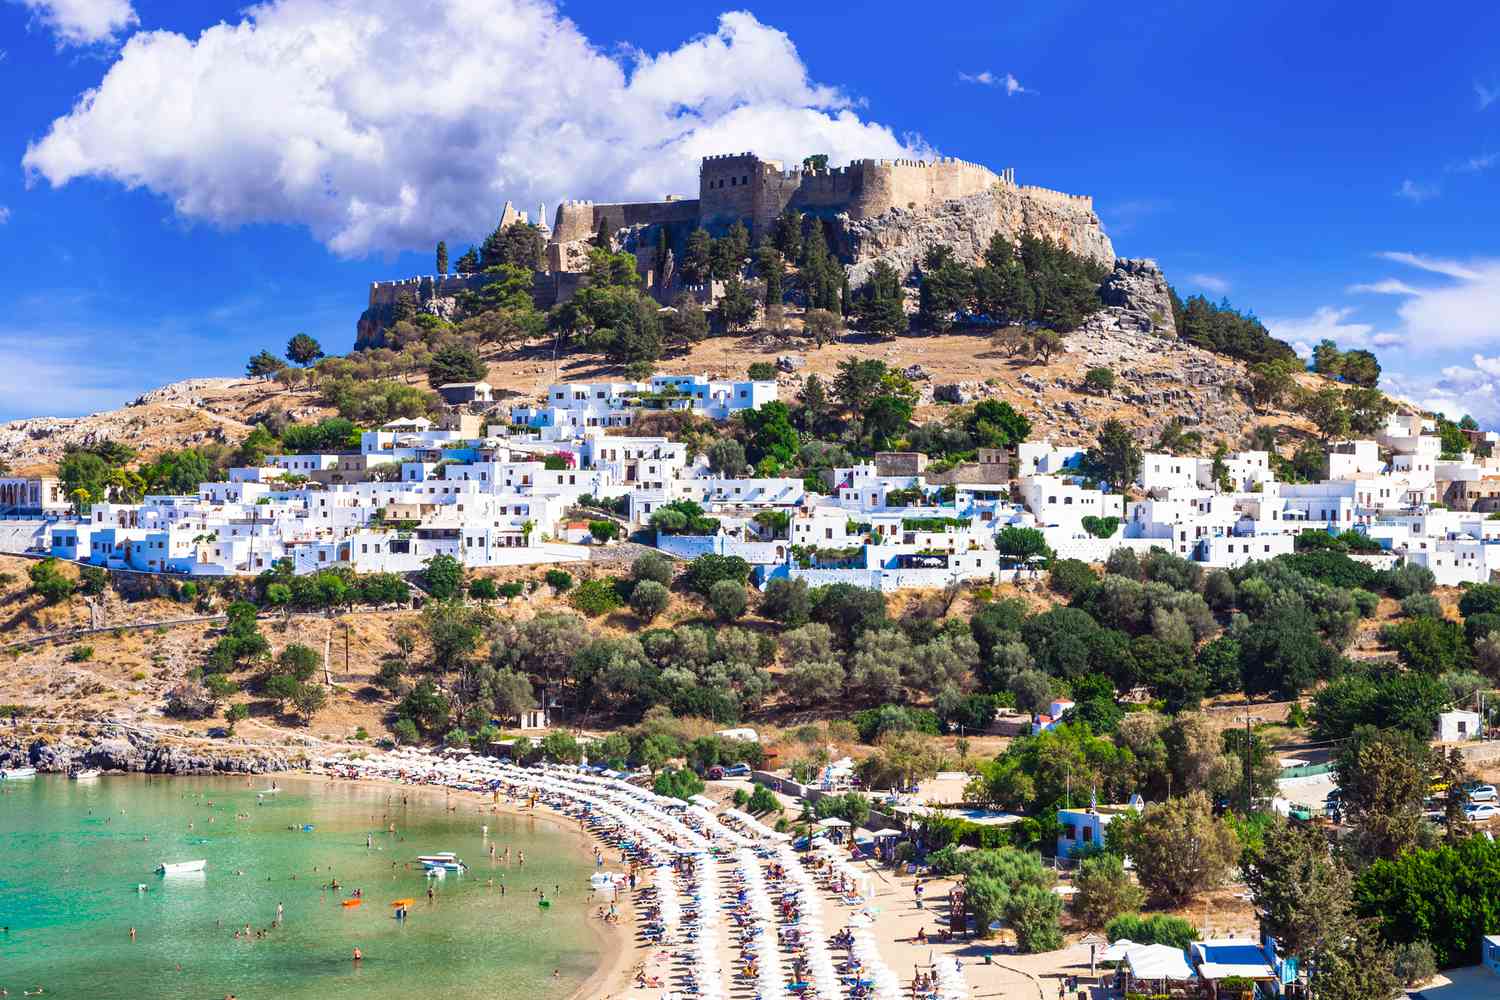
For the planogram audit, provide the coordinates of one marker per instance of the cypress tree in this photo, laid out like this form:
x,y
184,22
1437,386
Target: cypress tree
x,y
442,257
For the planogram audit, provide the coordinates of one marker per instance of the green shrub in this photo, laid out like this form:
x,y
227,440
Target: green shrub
x,y
596,597
1099,380
1159,928
559,580
727,599
483,589
81,654
678,783
762,801
1100,527
1071,576
649,599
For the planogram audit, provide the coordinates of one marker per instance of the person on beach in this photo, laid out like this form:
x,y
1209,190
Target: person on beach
x,y
359,956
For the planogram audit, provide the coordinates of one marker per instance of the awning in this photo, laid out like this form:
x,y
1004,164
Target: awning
x,y
832,821
1158,961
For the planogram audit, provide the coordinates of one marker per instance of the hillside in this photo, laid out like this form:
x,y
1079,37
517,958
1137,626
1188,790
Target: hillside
x,y
1157,380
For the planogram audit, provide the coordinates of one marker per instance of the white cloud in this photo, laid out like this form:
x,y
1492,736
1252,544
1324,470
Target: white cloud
x,y
1328,323
1462,311
1475,164
1454,391
1416,193
985,78
388,124
1210,283
1487,95
83,22
4,214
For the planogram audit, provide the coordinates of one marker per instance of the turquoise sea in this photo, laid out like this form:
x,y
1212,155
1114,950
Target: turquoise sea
x,y
73,853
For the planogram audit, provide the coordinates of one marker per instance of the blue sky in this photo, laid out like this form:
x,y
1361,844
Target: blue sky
x,y
185,183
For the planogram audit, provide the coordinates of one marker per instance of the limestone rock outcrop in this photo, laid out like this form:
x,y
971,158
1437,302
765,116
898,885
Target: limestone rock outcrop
x,y
900,236
1136,298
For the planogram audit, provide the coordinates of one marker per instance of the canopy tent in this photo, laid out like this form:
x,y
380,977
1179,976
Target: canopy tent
x,y
832,821
1117,951
1158,961
1227,957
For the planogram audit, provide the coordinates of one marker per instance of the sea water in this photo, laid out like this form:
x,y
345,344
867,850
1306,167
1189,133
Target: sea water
x,y
72,855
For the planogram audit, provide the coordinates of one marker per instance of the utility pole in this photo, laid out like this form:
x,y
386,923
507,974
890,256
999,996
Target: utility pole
x,y
1249,769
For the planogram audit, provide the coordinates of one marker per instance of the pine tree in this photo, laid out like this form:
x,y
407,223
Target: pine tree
x,y
880,307
786,234
739,242
697,259
263,365
442,257
772,269
468,261
737,307
303,349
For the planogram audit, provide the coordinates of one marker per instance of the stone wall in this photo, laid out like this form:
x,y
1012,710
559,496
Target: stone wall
x,y
743,187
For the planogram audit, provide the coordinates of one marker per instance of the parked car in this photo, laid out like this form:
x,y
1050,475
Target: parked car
x,y
743,771
1479,812
716,773
1478,792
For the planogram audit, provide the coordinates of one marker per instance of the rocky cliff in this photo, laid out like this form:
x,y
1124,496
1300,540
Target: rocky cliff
x,y
117,748
901,236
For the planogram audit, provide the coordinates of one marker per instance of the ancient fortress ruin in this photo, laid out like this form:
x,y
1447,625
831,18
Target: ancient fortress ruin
x,y
891,210
742,187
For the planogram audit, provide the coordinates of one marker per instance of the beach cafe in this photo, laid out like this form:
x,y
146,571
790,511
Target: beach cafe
x,y
1158,969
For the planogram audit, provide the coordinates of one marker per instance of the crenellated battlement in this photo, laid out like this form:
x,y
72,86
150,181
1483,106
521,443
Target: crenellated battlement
x,y
742,187
1049,194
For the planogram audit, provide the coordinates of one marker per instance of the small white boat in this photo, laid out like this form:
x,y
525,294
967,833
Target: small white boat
x,y
86,775
436,859
269,791
17,773
451,865
181,867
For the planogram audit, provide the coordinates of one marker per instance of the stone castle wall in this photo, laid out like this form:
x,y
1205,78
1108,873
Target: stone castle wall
x,y
743,187
579,220
422,288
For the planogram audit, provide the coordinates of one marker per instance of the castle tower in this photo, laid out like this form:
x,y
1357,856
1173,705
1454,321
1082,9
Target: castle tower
x,y
541,217
509,215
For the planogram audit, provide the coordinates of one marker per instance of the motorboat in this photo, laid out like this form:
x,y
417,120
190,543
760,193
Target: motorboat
x,y
438,858
181,867
88,774
447,864
17,773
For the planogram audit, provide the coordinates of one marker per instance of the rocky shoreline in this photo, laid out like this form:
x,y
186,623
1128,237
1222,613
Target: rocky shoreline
x,y
115,748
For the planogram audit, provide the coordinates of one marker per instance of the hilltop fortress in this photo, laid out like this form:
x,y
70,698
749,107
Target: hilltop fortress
x,y
891,210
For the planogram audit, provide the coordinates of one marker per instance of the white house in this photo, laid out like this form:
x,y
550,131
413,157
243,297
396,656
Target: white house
x,y
1459,726
1084,828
